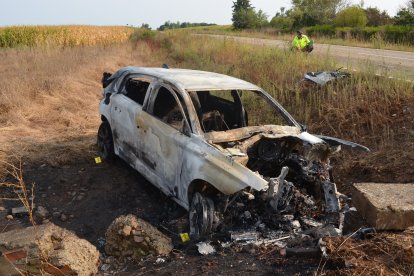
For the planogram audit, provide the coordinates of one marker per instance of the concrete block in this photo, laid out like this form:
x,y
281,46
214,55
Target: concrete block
x,y
385,206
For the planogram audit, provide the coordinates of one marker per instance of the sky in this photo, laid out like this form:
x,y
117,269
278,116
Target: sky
x,y
136,12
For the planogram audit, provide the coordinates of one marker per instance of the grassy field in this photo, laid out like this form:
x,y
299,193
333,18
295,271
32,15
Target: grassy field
x,y
63,36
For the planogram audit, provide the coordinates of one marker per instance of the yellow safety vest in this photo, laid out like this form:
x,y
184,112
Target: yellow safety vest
x,y
300,43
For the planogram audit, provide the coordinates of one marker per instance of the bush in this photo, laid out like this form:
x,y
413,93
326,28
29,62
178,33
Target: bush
x,y
321,30
142,34
282,22
388,33
353,16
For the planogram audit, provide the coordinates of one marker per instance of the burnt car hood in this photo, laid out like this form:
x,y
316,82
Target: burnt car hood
x,y
273,131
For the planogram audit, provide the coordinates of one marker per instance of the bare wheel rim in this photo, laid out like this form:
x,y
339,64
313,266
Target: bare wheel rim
x,y
104,141
200,219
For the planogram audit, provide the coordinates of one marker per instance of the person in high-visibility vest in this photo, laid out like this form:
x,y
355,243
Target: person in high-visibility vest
x,y
302,43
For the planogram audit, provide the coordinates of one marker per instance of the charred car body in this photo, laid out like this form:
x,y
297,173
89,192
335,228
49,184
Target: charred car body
x,y
209,141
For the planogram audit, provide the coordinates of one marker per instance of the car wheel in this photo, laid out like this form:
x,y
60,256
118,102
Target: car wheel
x,y
105,141
201,216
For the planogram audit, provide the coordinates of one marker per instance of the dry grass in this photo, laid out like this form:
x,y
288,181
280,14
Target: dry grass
x,y
384,254
62,36
49,98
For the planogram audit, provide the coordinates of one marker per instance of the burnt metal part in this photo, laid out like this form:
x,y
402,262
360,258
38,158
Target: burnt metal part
x,y
331,199
324,77
281,199
106,79
340,142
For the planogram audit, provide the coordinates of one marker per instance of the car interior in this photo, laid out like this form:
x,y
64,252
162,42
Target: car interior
x,y
217,113
136,90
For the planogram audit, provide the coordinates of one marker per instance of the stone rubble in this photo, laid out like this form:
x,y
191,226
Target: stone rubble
x,y
129,236
50,248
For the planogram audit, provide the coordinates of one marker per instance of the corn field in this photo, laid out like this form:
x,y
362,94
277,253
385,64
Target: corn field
x,y
63,36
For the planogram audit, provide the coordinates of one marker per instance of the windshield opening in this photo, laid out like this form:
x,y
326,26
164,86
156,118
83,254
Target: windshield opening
x,y
231,109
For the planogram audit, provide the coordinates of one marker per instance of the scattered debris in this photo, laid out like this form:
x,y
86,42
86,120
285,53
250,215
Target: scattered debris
x,y
364,233
19,210
160,261
105,267
205,248
244,236
51,248
129,236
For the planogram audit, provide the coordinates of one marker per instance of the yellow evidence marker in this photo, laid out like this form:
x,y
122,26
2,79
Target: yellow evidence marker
x,y
184,237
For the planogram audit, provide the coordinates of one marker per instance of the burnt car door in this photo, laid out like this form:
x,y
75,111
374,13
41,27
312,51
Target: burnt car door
x,y
125,107
165,135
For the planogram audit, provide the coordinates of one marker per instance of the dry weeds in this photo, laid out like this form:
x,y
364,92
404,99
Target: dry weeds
x,y
384,254
49,98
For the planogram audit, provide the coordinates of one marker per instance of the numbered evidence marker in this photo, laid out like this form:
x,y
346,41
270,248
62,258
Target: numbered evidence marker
x,y
98,160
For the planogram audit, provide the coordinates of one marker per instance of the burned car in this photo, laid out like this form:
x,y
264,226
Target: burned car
x,y
209,140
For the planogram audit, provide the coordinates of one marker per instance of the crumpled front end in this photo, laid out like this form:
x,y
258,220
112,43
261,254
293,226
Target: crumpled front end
x,y
296,167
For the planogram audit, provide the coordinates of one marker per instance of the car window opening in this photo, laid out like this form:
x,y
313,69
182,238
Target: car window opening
x,y
136,90
167,109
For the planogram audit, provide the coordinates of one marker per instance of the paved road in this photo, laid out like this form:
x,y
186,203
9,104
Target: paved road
x,y
384,62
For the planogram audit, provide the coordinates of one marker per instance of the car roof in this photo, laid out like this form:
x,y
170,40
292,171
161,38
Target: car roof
x,y
192,80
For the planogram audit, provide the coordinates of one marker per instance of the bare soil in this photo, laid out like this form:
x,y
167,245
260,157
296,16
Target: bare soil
x,y
114,189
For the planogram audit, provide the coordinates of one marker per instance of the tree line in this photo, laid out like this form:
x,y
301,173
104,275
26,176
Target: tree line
x,y
331,18
306,13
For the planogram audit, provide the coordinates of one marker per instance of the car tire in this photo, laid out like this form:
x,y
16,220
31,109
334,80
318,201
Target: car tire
x,y
105,142
201,216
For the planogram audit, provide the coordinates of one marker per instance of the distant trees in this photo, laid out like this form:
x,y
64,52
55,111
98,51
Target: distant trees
x,y
282,20
405,16
145,26
377,18
315,12
177,25
353,16
245,16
